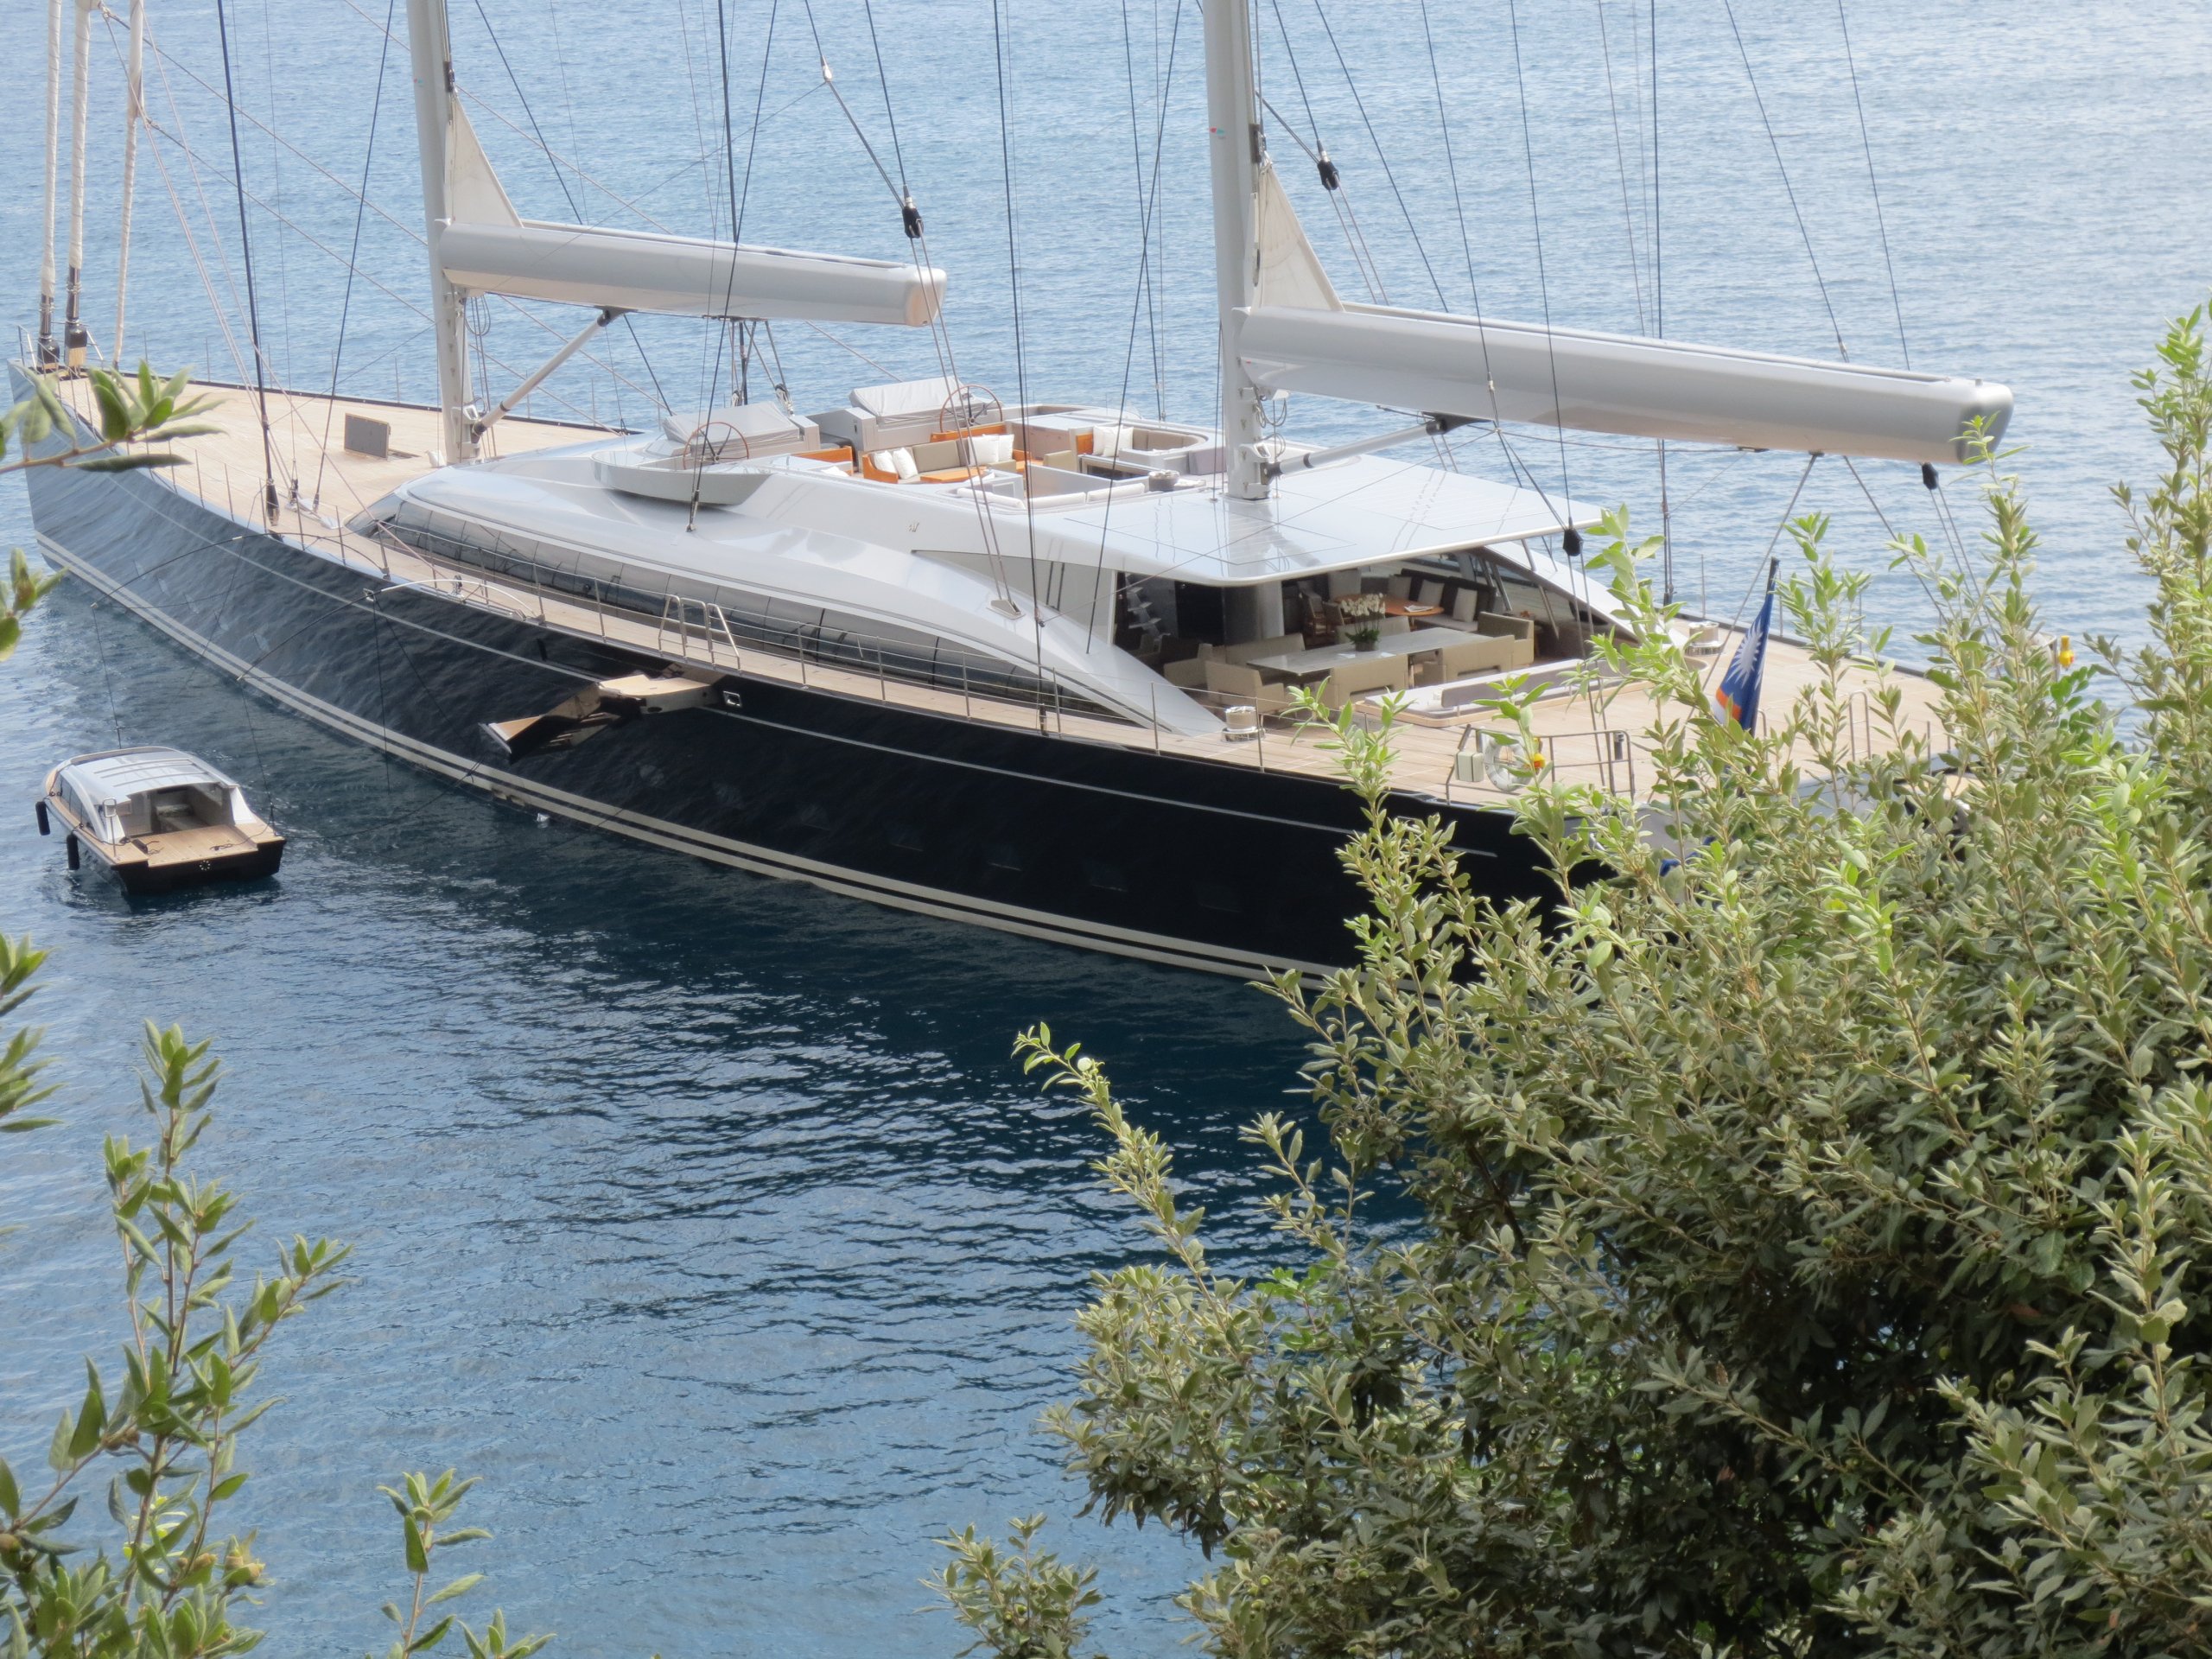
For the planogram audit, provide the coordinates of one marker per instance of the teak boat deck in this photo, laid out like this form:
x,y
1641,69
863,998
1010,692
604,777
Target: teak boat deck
x,y
1588,737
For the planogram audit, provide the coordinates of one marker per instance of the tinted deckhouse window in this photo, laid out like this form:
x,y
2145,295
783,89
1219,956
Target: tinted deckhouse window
x,y
745,621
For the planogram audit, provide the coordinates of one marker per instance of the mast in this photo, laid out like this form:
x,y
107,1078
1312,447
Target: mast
x,y
431,51
48,355
1233,118
73,337
134,112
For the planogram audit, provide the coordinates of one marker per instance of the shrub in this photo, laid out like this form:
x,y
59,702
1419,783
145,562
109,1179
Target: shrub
x,y
1785,1243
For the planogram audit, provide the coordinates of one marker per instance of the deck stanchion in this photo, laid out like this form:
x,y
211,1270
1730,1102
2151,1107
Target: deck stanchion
x,y
967,705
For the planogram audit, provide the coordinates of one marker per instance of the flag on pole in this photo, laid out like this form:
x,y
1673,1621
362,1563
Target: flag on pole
x,y
1738,698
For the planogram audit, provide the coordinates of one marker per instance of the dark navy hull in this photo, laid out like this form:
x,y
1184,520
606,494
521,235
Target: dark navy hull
x,y
1211,865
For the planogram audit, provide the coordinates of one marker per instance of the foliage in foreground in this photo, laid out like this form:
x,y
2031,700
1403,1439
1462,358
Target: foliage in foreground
x,y
1793,1249
172,1578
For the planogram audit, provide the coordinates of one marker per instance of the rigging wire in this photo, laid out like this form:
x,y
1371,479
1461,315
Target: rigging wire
x,y
1620,159
752,140
852,120
1360,104
1363,256
1451,168
360,213
1149,205
1889,528
207,212
890,115
1789,189
1866,143
1535,218
133,118
164,62
847,346
536,140
530,115
729,154
1145,282
276,192
47,355
1659,328
710,358
1001,51
246,252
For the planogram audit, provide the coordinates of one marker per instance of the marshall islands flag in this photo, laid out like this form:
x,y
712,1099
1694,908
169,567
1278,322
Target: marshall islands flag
x,y
1738,699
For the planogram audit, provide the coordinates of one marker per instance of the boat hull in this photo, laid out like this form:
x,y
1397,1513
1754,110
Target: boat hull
x,y
1163,857
150,878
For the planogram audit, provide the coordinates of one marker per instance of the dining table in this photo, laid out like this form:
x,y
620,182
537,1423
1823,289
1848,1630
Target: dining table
x,y
1316,661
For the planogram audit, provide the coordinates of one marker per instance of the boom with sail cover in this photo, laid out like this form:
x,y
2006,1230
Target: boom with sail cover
x,y
1299,336
486,247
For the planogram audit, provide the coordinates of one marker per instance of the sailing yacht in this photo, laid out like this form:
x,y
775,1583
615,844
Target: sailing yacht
x,y
1024,665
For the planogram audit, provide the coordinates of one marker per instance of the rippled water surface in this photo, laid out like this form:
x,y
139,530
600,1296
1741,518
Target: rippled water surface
x,y
706,1217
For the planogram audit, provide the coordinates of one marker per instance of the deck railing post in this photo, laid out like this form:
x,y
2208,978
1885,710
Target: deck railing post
x,y
967,703
1153,693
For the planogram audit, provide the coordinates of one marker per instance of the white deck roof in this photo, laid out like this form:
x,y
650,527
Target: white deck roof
x,y
1361,511
113,776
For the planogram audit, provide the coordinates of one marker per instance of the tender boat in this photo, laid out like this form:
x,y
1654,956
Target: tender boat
x,y
159,818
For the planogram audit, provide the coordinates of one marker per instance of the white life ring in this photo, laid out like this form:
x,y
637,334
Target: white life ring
x,y
1509,764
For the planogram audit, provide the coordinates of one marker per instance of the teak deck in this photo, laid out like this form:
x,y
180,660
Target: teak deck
x,y
1588,738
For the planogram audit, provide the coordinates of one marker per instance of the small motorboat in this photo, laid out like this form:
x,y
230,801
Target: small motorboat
x,y
159,818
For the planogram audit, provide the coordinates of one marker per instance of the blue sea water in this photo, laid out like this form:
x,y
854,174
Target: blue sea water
x,y
707,1219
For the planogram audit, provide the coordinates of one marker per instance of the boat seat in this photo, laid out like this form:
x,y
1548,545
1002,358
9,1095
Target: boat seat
x,y
1476,654
892,466
904,400
1241,682
739,431
1190,673
1349,680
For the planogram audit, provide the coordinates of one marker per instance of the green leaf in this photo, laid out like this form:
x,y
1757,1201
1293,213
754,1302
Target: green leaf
x,y
125,463
115,425
418,1558
11,1503
459,1586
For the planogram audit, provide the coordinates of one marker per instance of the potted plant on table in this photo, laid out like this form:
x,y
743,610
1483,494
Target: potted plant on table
x,y
1362,619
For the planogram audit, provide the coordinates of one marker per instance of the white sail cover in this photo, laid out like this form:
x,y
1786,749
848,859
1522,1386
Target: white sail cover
x,y
1300,337
486,247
